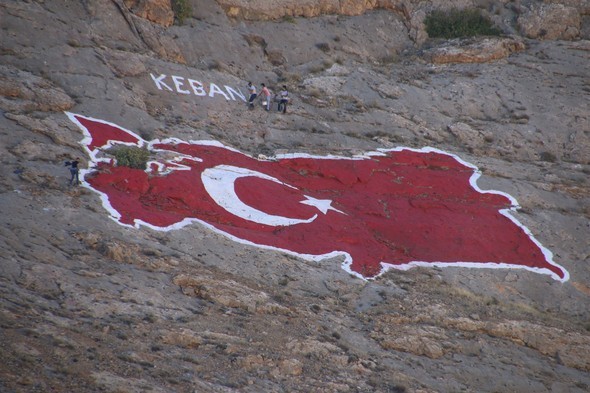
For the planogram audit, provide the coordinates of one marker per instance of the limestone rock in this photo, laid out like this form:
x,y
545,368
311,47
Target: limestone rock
x,y
158,40
330,85
291,367
47,127
390,91
337,70
550,22
30,150
228,293
475,51
425,341
157,11
21,91
311,347
573,349
125,63
468,136
183,338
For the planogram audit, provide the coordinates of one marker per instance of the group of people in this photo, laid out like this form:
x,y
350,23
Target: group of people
x,y
282,98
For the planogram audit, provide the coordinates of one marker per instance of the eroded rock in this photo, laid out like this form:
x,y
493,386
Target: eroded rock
x,y
550,22
157,11
475,51
21,92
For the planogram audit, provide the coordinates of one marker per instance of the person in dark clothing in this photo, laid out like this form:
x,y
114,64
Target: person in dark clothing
x,y
74,171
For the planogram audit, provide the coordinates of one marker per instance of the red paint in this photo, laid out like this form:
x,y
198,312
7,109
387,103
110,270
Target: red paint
x,y
401,207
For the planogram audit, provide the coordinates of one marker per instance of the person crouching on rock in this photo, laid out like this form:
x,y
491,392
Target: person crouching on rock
x,y
74,171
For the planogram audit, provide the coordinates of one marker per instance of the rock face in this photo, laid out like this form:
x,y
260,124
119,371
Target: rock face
x,y
550,21
157,11
480,51
21,91
88,305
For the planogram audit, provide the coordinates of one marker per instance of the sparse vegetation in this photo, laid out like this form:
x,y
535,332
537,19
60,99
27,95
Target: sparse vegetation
x,y
459,23
390,58
182,10
291,78
254,39
323,46
289,19
132,157
547,156
324,65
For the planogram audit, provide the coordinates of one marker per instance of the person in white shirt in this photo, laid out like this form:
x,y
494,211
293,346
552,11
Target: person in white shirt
x,y
284,99
252,92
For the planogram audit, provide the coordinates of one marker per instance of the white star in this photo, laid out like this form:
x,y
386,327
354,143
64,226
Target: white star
x,y
322,205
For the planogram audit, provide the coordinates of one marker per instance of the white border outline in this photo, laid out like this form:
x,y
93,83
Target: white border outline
x,y
115,215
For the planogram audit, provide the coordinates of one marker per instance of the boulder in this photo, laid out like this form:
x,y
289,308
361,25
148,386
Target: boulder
x,y
550,22
475,50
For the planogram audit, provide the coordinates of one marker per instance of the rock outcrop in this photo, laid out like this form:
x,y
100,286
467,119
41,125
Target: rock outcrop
x,y
157,11
474,51
550,22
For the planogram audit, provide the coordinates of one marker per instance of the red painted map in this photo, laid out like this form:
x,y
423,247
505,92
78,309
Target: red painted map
x,y
389,209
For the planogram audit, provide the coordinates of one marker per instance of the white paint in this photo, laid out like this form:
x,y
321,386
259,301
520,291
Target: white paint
x,y
159,83
322,205
179,83
231,92
214,89
197,88
220,181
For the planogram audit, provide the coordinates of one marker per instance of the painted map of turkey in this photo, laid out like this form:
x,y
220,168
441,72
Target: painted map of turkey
x,y
388,209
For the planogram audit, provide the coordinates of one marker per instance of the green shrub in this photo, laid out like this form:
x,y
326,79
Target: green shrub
x,y
132,157
182,10
458,23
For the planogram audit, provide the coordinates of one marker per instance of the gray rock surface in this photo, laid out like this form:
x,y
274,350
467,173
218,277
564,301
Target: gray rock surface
x,y
87,305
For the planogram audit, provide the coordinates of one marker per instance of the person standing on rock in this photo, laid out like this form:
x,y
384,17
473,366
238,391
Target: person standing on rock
x,y
74,171
266,96
252,92
284,99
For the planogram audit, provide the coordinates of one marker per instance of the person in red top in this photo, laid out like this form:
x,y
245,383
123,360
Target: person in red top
x,y
266,96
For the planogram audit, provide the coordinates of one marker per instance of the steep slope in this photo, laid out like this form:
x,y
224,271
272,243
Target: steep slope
x,y
89,305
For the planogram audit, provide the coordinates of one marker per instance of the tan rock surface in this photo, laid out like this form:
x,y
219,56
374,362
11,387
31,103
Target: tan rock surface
x,y
550,21
480,51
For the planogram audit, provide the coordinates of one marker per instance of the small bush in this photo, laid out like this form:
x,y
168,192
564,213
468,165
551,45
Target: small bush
x,y
132,157
289,19
458,23
547,156
253,39
182,10
323,46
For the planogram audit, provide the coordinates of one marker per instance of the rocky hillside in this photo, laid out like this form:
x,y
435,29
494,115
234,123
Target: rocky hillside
x,y
89,305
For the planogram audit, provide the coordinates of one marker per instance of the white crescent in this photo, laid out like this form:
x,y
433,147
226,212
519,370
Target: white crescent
x,y
220,181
